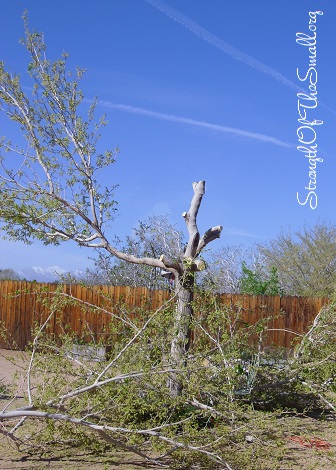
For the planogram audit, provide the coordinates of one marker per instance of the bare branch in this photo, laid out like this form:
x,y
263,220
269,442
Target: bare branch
x,y
209,236
119,378
102,429
57,416
139,333
190,218
170,264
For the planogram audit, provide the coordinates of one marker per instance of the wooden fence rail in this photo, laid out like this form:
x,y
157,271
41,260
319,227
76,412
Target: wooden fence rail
x,y
25,304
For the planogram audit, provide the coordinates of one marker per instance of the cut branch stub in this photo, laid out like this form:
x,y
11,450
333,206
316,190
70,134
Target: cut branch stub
x,y
209,236
200,264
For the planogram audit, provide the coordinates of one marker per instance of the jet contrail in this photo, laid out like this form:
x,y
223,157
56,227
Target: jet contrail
x,y
192,122
227,48
220,44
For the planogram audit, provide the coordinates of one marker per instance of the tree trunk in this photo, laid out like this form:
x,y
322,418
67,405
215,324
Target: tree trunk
x,y
184,270
184,288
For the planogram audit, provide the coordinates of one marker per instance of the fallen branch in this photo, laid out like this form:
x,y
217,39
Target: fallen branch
x,y
135,337
314,388
102,430
96,384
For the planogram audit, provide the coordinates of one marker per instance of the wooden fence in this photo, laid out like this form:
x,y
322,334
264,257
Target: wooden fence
x,y
25,304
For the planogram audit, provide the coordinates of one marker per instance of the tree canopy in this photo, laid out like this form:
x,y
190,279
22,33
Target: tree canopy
x,y
50,187
305,260
255,283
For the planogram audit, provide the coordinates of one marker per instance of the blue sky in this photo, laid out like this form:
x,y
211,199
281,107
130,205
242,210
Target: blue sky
x,y
195,90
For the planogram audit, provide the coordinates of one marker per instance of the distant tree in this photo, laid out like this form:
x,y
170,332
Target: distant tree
x,y
152,237
305,261
255,282
9,274
224,268
51,187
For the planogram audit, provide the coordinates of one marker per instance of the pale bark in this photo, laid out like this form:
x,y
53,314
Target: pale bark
x,y
106,431
185,282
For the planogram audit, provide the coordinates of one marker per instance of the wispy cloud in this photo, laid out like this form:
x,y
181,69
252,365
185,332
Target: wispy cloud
x,y
220,44
227,48
238,232
193,122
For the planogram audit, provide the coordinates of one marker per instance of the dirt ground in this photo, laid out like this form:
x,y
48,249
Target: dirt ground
x,y
15,364
8,369
314,449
